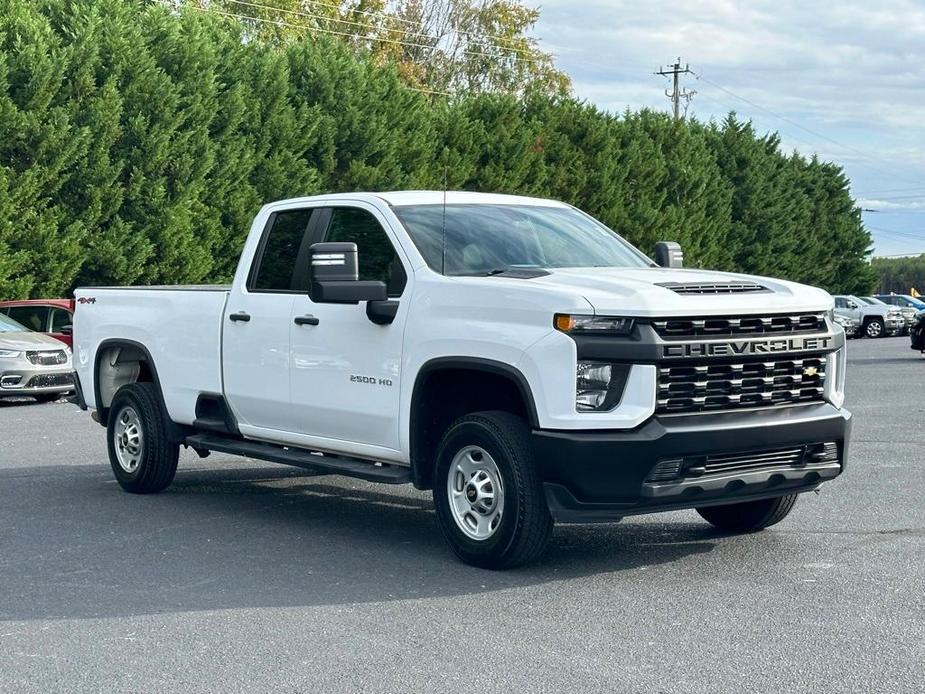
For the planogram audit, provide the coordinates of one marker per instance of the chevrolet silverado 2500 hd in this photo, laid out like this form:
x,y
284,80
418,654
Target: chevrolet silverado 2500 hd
x,y
512,354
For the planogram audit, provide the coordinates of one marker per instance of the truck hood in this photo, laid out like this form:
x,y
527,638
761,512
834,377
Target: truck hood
x,y
23,341
639,292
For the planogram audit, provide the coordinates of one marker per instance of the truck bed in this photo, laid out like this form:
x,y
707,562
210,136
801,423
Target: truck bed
x,y
180,326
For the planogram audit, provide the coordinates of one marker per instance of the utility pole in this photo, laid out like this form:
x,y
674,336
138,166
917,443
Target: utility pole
x,y
677,94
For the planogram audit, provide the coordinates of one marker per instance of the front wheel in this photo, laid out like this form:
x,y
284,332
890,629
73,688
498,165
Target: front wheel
x,y
143,458
488,496
874,328
748,516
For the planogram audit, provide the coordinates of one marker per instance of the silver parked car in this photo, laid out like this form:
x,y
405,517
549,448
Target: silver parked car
x,y
876,319
32,363
851,326
908,314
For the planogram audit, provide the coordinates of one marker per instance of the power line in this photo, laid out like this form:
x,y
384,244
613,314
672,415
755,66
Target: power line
x,y
899,234
892,190
303,28
794,123
891,198
278,22
373,27
677,94
408,22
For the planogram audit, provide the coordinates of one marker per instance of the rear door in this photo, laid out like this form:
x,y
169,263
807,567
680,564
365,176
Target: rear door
x,y
345,369
255,333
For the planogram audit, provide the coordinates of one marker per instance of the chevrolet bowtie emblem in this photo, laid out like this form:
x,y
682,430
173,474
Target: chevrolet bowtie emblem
x,y
810,371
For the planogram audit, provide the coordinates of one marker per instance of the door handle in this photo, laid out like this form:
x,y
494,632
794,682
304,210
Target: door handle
x,y
240,316
306,320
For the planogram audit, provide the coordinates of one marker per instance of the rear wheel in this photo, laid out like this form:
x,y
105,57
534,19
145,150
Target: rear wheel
x,y
749,515
488,496
874,328
143,459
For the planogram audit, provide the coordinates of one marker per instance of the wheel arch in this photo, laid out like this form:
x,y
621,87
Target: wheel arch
x,y
129,362
479,384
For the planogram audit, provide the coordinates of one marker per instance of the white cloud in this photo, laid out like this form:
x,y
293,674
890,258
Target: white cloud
x,y
849,71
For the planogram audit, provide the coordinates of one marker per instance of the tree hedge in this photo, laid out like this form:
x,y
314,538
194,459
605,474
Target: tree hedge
x,y
137,142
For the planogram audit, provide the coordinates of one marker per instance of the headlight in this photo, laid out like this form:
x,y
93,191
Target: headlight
x,y
592,325
599,386
8,354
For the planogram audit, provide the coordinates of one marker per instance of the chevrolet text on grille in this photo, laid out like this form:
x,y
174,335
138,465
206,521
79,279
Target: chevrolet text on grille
x,y
732,348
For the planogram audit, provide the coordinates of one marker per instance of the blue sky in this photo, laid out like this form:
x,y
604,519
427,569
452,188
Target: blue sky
x,y
843,79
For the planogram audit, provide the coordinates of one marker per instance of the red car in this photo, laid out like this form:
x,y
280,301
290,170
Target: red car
x,y
53,317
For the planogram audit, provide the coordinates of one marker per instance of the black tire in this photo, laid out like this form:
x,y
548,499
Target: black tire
x,y
156,457
749,516
874,328
525,524
48,397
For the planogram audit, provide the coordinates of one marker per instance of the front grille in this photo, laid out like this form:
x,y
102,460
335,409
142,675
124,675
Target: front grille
x,y
723,385
53,358
713,287
50,381
724,326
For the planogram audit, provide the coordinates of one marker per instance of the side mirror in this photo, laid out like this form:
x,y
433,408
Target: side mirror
x,y
851,305
333,276
669,254
66,329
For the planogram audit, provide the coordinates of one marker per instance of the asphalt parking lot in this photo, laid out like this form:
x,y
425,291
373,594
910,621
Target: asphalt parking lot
x,y
253,577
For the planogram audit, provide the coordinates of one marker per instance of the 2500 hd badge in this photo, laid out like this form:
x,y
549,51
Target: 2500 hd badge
x,y
724,349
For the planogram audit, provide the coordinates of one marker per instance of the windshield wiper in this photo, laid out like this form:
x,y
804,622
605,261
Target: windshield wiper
x,y
517,272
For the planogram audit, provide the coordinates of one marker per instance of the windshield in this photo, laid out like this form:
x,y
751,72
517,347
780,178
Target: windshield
x,y
912,301
872,300
8,325
483,239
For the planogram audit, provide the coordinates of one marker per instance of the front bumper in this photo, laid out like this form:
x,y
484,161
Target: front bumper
x,y
602,476
23,378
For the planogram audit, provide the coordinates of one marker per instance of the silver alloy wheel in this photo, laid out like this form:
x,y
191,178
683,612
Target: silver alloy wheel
x,y
128,439
874,329
476,493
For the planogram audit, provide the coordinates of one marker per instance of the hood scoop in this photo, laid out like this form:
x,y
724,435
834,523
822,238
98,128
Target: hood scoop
x,y
713,287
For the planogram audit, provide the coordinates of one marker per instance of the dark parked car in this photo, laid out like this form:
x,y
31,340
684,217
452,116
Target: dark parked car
x,y
917,334
54,317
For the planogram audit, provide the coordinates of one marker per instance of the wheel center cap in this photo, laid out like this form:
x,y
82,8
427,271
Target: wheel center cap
x,y
471,493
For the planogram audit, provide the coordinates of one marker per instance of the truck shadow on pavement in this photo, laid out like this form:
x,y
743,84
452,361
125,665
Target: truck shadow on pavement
x,y
73,545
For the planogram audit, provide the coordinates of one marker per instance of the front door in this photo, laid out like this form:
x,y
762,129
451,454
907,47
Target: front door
x,y
345,368
255,334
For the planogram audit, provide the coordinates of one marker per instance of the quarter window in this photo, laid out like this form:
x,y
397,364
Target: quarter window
x,y
277,262
377,257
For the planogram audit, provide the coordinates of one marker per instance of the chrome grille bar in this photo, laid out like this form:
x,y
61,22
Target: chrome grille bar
x,y
740,325
740,384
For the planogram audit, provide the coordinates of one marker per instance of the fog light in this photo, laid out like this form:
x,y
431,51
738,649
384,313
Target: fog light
x,y
592,383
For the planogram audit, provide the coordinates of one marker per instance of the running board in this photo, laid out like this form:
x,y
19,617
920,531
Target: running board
x,y
299,457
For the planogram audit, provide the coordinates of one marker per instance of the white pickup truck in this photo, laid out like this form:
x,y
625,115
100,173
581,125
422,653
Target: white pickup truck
x,y
511,354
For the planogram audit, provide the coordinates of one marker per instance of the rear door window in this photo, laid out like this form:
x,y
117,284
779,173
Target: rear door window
x,y
60,319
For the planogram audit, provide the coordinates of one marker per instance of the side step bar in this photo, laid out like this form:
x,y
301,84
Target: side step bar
x,y
299,457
